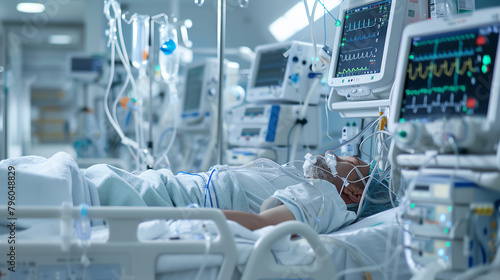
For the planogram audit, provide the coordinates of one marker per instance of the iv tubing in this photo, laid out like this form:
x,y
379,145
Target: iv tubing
x,y
131,78
295,139
377,133
124,139
362,132
124,58
115,104
126,63
137,132
310,18
213,137
366,189
272,164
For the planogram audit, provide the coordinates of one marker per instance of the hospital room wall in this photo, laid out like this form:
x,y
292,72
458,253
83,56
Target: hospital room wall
x,y
42,96
17,98
39,89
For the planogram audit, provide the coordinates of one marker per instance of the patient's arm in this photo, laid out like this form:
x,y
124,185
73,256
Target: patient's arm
x,y
269,217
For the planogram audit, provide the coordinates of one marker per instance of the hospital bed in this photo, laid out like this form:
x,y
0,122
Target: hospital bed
x,y
129,248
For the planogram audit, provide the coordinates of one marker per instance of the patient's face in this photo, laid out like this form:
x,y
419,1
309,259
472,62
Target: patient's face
x,y
345,166
346,169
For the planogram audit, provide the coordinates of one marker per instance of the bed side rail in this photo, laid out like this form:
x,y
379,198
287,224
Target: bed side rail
x,y
123,223
262,264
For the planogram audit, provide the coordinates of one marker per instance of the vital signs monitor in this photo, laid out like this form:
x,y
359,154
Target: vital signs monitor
x,y
364,60
85,67
444,119
194,99
447,86
200,89
282,72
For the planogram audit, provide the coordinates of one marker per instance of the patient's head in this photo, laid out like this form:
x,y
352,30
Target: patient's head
x,y
350,172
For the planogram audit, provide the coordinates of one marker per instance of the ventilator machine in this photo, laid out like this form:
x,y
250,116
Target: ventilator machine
x,y
281,112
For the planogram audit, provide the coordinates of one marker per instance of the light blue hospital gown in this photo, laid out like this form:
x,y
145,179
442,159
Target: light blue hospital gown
x,y
317,204
242,189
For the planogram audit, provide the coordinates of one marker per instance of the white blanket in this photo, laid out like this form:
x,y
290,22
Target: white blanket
x,y
45,182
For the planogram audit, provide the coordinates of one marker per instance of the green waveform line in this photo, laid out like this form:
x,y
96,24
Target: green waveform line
x,y
435,89
446,39
345,71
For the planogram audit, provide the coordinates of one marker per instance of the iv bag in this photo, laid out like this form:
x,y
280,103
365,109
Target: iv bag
x,y
169,56
140,41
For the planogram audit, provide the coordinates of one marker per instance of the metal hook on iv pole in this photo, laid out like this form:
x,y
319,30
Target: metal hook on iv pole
x,y
112,4
165,18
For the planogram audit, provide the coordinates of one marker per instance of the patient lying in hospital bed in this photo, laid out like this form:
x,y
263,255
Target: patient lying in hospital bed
x,y
261,184
258,194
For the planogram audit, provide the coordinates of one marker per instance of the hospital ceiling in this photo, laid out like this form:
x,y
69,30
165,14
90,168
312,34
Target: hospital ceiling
x,y
245,26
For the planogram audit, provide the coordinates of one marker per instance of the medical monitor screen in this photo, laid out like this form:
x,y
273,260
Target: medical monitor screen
x,y
271,68
194,84
450,74
361,49
86,64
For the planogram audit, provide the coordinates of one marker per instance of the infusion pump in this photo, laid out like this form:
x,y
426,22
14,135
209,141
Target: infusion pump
x,y
451,219
268,125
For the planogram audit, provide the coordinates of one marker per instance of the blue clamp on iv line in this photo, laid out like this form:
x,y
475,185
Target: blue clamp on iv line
x,y
168,47
82,225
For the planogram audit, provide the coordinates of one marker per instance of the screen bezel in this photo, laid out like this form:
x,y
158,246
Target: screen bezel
x,y
436,27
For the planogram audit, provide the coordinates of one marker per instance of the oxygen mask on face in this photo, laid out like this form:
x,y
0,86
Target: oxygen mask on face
x,y
331,161
309,165
319,167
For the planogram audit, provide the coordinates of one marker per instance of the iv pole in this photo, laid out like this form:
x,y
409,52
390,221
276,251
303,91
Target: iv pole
x,y
151,43
221,38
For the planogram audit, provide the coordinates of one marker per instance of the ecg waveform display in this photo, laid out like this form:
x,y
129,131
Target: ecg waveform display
x,y
362,45
450,74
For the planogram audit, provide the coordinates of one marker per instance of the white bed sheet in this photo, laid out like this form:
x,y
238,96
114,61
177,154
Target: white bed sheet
x,y
374,240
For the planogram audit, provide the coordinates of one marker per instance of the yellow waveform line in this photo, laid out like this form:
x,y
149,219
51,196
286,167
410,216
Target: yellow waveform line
x,y
444,68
